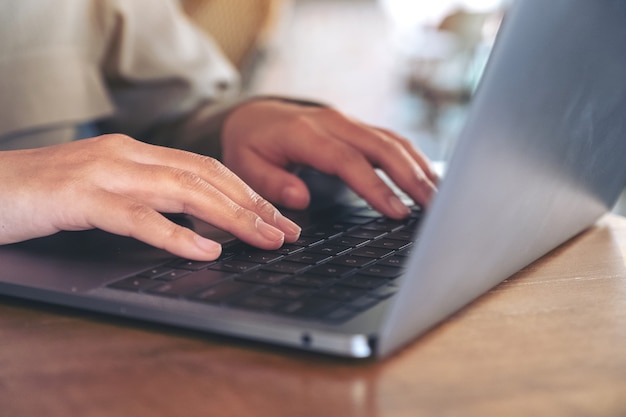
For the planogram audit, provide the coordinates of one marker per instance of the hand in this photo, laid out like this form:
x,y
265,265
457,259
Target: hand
x,y
263,139
121,185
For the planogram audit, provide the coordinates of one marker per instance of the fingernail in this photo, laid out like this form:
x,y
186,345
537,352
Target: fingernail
x,y
398,206
211,247
269,231
291,229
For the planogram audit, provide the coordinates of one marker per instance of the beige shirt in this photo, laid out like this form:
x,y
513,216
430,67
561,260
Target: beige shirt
x,y
71,68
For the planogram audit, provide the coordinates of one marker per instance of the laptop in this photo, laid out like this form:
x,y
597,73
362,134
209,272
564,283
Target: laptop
x,y
540,159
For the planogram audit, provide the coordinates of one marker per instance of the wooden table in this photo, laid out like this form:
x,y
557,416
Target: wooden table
x,y
550,341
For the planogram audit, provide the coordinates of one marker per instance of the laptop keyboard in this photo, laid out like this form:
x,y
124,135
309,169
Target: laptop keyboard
x,y
346,261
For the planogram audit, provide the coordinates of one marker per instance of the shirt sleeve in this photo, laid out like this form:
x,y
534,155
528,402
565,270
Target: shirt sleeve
x,y
121,66
49,74
171,84
167,79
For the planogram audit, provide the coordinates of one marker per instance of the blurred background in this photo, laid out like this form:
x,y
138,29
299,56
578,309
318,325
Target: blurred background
x,y
407,65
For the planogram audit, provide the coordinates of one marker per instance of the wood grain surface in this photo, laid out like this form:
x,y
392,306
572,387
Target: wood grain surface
x,y
550,341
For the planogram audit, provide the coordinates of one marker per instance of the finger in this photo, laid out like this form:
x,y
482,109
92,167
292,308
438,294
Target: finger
x,y
123,216
273,181
422,160
203,170
335,157
388,152
359,174
392,154
174,190
243,194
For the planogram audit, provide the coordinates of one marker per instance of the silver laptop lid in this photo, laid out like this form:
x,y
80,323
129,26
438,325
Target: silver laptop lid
x,y
542,156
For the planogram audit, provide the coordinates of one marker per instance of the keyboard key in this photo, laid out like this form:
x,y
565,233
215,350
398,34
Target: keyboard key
x,y
405,252
233,266
287,292
323,232
308,241
353,261
313,281
393,261
191,283
155,272
331,270
371,252
308,258
230,250
382,271
389,243
365,234
340,293
263,277
304,219
191,265
352,242
286,267
164,273
224,292
173,275
329,249
258,257
416,212
135,284
363,281
385,225
288,249
403,235
342,227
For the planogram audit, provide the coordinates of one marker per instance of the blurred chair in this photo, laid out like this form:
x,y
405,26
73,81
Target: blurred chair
x,y
242,28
